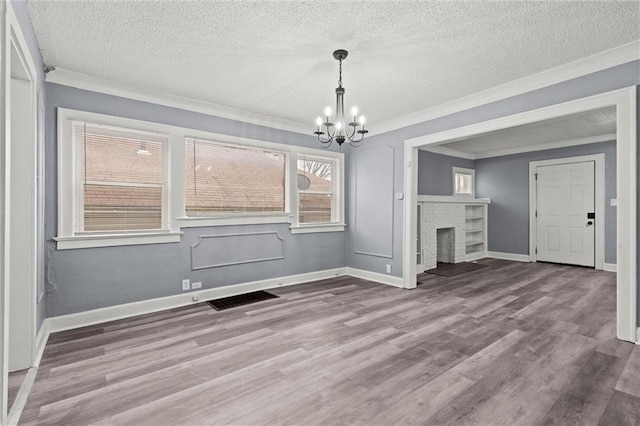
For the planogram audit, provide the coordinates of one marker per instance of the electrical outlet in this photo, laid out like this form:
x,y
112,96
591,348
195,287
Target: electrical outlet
x,y
186,285
196,285
388,268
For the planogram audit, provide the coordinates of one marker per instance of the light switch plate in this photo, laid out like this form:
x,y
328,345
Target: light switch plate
x,y
614,202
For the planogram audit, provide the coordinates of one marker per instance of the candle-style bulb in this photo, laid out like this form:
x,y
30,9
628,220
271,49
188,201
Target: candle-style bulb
x,y
354,111
338,125
319,121
362,120
327,111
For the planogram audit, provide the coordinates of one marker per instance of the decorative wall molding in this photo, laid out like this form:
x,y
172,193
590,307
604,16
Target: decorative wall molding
x,y
509,256
86,82
600,61
369,189
256,247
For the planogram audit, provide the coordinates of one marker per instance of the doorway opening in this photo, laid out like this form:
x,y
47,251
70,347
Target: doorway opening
x,y
623,101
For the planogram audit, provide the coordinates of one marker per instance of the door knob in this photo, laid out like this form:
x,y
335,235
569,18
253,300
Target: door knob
x,y
589,223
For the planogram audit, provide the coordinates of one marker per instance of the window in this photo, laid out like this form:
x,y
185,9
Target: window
x,y
112,183
464,182
223,179
119,180
316,190
125,182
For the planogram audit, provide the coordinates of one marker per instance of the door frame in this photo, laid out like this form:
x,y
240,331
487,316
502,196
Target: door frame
x,y
13,40
598,160
627,179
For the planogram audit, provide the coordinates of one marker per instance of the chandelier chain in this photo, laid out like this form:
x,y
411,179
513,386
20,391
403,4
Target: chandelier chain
x,y
340,78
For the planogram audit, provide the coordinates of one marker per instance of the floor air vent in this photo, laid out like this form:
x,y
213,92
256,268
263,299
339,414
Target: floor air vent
x,y
240,300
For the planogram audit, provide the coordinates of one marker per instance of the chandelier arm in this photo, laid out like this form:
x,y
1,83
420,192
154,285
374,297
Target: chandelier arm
x,y
352,134
358,141
327,143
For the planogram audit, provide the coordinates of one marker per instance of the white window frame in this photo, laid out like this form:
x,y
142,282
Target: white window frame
x,y
337,204
337,224
464,171
67,238
175,188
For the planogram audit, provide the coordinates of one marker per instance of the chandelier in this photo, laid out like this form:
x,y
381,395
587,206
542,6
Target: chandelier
x,y
340,131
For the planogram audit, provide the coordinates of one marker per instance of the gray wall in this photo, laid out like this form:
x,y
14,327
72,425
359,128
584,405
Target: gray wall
x,y
24,20
435,176
603,81
83,279
506,181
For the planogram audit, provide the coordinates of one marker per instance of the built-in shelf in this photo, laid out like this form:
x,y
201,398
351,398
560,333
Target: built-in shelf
x,y
476,229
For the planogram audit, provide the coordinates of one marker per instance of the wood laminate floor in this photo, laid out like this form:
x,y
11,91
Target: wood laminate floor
x,y
513,343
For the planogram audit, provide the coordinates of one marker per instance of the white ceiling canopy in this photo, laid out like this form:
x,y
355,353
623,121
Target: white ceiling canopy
x,y
275,57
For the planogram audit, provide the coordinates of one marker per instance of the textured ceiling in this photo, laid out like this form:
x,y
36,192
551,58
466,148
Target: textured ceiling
x,y
274,58
574,127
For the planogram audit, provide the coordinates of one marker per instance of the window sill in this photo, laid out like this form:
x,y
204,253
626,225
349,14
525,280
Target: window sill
x,y
318,227
191,222
113,240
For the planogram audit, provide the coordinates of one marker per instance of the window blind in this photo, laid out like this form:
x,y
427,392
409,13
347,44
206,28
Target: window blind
x,y
119,182
226,179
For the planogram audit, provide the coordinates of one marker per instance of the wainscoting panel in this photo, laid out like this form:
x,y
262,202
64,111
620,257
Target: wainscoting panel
x,y
374,202
213,251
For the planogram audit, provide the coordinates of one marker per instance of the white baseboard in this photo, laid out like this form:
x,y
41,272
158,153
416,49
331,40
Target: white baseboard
x,y
508,256
112,313
638,336
374,276
21,397
41,342
610,267
475,256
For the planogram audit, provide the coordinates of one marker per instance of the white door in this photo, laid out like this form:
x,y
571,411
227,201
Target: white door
x,y
566,213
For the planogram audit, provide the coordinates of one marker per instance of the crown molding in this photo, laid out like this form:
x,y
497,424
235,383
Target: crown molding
x,y
438,149
95,84
607,59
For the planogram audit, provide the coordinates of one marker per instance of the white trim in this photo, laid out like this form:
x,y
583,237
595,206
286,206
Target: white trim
x,y
173,197
599,201
112,313
508,256
21,397
112,240
25,389
638,336
376,277
451,199
609,267
475,256
320,227
95,84
41,342
609,58
625,102
464,171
